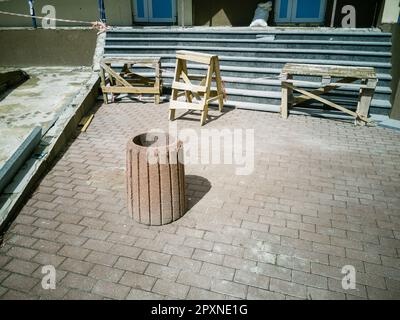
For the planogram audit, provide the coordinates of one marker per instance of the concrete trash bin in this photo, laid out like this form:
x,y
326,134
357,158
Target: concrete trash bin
x,y
155,179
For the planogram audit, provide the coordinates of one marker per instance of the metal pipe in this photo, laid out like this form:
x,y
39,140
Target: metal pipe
x,y
32,12
333,13
102,11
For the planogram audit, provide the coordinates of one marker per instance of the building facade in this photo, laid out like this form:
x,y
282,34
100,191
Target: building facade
x,y
327,13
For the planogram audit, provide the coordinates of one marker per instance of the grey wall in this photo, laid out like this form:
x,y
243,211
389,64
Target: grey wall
x,y
61,47
119,12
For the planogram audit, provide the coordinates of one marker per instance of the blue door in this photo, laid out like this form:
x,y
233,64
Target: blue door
x,y
155,11
300,11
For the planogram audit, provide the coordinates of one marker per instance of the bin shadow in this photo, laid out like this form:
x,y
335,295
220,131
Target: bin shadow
x,y
196,188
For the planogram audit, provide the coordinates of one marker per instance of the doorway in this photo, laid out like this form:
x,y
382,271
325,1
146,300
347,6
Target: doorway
x,y
300,11
155,11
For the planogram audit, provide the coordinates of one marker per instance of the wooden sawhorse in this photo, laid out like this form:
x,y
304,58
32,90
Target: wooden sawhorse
x,y
201,92
347,76
128,82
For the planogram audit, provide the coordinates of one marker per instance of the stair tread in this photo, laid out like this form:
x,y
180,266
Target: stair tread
x,y
246,30
233,49
278,60
256,41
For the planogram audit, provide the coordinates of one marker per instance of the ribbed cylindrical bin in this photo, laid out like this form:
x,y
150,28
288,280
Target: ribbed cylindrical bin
x,y
155,179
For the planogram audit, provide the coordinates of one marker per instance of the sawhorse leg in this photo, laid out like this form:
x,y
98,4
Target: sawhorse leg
x,y
287,94
366,96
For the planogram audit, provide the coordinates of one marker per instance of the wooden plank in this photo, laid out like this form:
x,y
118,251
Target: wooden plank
x,y
187,87
214,98
194,56
332,84
210,72
178,105
174,95
328,103
132,60
87,123
321,91
218,80
114,74
142,90
366,96
329,70
103,84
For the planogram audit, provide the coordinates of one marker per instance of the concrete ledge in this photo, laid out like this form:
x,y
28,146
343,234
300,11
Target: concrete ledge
x,y
15,162
50,146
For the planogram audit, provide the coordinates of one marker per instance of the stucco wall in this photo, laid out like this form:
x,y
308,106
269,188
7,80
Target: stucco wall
x,y
29,47
119,12
391,11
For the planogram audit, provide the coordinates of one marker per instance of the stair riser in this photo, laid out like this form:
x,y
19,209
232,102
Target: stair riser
x,y
253,44
264,92
226,52
252,36
277,65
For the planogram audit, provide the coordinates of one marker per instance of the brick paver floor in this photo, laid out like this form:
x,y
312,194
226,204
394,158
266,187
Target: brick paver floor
x,y
324,194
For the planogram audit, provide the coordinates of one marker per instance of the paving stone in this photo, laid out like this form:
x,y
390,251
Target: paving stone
x,y
77,281
138,281
194,279
218,272
110,290
21,266
45,259
102,258
19,282
81,295
321,294
74,252
309,279
260,294
131,265
136,294
178,250
288,288
76,266
106,273
229,288
201,294
155,257
21,253
171,289
207,256
162,272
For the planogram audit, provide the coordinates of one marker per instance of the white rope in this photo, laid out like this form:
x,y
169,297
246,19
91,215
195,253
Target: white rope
x,y
99,25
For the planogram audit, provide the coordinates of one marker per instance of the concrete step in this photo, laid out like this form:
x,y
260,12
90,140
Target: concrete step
x,y
258,52
274,85
253,73
247,33
380,67
252,60
259,43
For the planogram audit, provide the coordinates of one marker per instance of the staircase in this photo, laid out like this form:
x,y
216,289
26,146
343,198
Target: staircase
x,y
251,61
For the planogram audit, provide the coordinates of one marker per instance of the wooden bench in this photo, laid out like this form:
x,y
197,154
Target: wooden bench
x,y
128,82
347,77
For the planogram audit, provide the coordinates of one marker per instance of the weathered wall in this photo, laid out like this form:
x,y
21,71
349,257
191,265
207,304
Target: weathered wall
x,y
61,47
185,12
119,12
391,11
